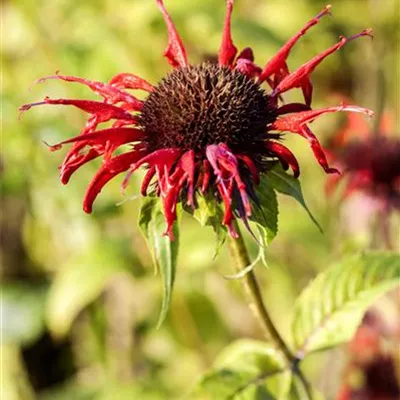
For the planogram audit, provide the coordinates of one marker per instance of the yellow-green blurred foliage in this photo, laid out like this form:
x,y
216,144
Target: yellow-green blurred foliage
x,y
79,297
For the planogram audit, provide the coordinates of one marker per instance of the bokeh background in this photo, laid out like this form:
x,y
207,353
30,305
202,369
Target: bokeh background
x,y
80,299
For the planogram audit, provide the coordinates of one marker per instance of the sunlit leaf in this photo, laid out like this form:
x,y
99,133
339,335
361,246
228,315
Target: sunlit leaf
x,y
265,214
331,307
246,369
286,184
79,282
22,308
164,251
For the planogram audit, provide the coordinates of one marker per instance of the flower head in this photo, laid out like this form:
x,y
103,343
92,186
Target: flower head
x,y
371,162
205,128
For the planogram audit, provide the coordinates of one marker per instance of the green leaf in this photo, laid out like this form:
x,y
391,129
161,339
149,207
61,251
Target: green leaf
x,y
330,309
209,213
265,214
22,306
245,370
79,282
287,184
163,250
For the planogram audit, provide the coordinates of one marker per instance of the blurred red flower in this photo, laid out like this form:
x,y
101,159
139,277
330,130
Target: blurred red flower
x,y
370,161
371,372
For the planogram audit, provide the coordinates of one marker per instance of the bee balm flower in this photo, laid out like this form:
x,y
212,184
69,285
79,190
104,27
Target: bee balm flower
x,y
205,128
370,160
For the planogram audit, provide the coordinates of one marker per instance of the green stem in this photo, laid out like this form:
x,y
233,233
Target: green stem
x,y
240,255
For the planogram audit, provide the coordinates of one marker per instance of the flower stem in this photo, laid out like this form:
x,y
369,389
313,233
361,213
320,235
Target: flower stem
x,y
240,255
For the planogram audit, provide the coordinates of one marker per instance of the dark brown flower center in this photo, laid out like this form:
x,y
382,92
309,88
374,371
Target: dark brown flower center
x,y
206,104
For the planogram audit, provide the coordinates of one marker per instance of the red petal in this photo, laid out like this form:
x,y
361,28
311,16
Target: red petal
x,y
130,81
206,175
161,160
246,54
294,122
299,78
113,167
227,51
228,215
285,155
251,166
292,108
318,150
114,136
187,163
146,181
103,112
110,93
247,68
175,52
278,62
68,167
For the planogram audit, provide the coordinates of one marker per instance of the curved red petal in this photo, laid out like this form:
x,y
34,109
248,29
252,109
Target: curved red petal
x,y
175,52
68,167
131,81
293,108
146,181
108,170
300,77
251,166
115,136
110,93
277,63
285,155
227,51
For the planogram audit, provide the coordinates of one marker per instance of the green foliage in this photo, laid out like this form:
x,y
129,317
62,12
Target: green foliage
x,y
265,214
209,213
22,310
298,391
286,184
331,307
245,370
164,251
78,283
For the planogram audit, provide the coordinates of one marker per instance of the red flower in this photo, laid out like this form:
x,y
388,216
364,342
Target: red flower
x,y
371,162
371,370
204,128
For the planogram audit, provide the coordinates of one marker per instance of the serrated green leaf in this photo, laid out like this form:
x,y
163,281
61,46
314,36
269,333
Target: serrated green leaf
x,y
290,186
265,214
245,370
79,282
330,309
164,251
209,213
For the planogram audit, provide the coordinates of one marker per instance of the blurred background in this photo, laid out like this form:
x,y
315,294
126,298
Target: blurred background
x,y
80,300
